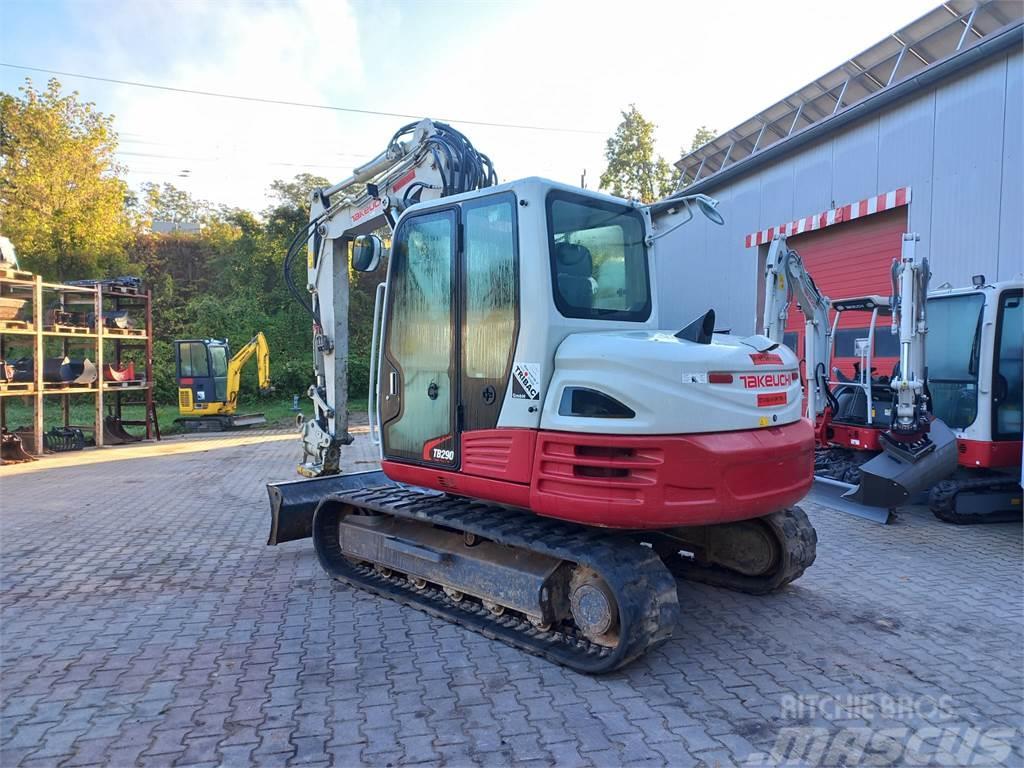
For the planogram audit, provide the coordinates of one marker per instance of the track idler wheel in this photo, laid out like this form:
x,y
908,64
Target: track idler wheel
x,y
754,556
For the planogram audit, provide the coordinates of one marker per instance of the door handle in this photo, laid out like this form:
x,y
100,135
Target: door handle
x,y
393,383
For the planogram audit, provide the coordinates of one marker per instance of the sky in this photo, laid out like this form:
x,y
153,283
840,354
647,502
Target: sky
x,y
569,68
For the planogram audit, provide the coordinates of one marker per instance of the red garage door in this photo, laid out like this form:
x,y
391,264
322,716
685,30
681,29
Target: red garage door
x,y
853,259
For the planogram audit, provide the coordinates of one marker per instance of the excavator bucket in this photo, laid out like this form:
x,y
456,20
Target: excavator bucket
x,y
114,432
12,450
892,477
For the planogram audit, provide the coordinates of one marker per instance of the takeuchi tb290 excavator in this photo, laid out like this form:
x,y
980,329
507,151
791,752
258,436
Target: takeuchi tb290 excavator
x,y
551,457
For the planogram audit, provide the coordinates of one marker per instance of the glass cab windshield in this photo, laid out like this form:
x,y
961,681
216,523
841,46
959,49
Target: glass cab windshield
x,y
598,259
953,346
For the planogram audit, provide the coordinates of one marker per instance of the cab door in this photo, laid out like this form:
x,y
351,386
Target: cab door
x,y
418,377
196,387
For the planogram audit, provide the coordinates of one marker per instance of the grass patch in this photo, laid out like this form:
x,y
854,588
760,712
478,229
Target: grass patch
x,y
82,410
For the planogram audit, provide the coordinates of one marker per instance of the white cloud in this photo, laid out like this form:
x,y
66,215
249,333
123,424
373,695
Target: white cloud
x,y
567,63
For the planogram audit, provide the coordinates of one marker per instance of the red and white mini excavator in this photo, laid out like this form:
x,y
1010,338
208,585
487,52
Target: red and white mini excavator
x,y
551,457
953,398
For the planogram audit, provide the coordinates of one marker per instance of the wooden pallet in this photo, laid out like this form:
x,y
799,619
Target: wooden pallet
x,y
17,386
15,325
120,290
8,273
130,332
54,386
71,330
125,384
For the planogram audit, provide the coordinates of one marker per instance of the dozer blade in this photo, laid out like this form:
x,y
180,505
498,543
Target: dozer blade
x,y
832,493
292,503
248,420
893,476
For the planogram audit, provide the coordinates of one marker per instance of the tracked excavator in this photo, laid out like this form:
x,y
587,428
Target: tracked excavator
x,y
210,378
551,458
950,428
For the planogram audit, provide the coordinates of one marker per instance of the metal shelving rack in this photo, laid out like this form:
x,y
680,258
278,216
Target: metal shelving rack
x,y
92,340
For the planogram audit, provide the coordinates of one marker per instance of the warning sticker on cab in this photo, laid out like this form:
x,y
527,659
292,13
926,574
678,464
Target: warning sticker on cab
x,y
526,381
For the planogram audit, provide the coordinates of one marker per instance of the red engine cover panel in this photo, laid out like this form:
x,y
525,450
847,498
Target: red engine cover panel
x,y
979,453
863,438
632,482
499,454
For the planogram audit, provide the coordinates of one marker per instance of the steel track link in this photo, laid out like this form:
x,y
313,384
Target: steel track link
x,y
641,584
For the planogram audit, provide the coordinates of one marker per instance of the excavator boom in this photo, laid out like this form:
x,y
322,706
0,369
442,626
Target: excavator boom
x,y
257,346
786,279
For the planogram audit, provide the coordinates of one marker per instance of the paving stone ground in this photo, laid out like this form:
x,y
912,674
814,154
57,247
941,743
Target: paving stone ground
x,y
145,622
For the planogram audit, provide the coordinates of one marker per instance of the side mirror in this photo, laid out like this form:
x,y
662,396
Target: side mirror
x,y
708,206
366,253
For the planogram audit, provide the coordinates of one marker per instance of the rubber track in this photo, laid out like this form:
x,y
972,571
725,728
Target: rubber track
x,y
799,542
643,587
942,500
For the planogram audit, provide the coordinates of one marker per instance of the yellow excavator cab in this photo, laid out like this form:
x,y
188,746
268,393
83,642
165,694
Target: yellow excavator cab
x,y
209,379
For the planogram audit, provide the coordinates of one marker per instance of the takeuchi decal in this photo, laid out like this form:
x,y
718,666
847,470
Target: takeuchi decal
x,y
366,211
760,380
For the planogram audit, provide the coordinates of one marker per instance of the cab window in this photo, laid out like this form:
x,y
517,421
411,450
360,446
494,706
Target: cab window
x,y
219,356
192,359
598,259
1008,371
953,346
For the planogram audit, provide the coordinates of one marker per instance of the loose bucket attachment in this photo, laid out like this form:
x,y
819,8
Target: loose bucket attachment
x,y
893,476
114,432
12,451
293,503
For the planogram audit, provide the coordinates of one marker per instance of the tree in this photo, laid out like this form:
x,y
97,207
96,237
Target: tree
x,y
168,203
289,209
701,137
62,200
295,193
633,169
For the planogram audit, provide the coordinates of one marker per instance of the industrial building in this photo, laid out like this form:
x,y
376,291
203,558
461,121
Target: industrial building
x,y
920,133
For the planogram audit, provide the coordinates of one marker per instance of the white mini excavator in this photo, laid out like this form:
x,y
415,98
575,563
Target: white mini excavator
x,y
946,422
551,456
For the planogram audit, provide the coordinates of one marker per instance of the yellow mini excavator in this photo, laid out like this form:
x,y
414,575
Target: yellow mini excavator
x,y
209,379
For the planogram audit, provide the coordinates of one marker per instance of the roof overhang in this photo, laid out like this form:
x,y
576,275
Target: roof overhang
x,y
955,35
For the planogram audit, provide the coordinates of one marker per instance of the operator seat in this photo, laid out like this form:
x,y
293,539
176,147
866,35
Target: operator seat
x,y
574,269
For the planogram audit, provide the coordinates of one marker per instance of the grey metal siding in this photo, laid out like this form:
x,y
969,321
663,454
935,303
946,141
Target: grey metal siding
x,y
1011,212
957,145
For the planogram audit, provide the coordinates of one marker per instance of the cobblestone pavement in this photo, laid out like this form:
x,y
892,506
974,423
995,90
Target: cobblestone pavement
x,y
145,622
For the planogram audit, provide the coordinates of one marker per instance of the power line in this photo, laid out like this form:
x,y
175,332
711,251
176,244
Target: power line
x,y
282,102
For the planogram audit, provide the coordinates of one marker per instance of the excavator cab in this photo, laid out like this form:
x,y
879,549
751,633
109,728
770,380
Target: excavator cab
x,y
209,379
201,366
